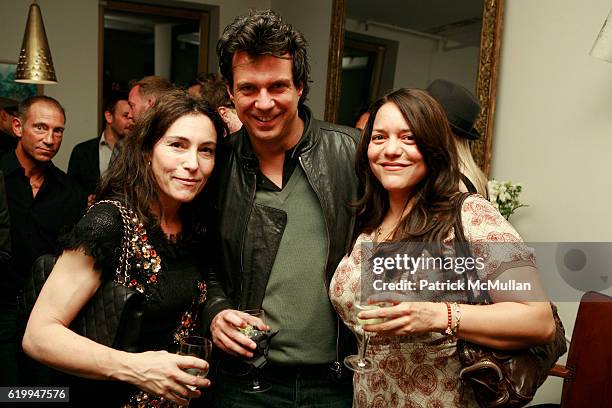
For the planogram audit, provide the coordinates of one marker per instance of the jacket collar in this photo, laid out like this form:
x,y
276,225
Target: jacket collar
x,y
307,141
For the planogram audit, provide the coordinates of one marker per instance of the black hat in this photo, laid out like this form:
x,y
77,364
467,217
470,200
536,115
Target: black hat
x,y
9,105
460,105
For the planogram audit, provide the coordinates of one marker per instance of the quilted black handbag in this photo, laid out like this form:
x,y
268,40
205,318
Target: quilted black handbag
x,y
113,315
504,378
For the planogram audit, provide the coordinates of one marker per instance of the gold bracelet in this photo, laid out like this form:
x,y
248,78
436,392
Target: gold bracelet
x,y
457,318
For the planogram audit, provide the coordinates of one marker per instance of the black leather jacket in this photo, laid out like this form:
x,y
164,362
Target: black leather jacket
x,y
326,154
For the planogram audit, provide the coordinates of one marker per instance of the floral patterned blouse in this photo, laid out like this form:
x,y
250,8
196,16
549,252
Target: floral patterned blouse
x,y
421,370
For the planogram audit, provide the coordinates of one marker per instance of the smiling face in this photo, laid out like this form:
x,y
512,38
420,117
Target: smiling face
x,y
266,98
393,154
183,159
41,132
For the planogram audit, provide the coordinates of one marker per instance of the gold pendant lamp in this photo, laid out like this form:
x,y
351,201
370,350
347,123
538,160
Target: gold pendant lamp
x,y
35,65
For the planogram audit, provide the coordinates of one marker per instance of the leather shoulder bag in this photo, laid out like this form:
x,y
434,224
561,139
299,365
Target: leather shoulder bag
x,y
503,378
113,315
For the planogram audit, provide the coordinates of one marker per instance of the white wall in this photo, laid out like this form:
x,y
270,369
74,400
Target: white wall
x,y
230,9
420,60
553,127
313,19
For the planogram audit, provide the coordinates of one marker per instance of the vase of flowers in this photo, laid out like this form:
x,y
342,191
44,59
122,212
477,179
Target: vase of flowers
x,y
504,195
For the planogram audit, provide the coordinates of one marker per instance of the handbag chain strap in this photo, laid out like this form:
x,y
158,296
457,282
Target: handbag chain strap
x,y
134,247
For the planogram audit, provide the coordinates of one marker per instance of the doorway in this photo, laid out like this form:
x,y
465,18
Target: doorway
x,y
138,40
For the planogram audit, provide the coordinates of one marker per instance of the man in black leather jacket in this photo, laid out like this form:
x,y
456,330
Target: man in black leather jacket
x,y
286,181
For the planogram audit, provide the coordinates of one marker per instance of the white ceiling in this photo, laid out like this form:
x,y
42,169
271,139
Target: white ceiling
x,y
457,20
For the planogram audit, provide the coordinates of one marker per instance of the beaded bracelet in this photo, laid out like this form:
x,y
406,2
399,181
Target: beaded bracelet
x,y
449,329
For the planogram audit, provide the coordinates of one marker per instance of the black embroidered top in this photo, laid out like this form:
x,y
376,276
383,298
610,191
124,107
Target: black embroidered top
x,y
99,234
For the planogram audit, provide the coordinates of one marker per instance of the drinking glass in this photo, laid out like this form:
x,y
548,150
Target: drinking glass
x,y
199,347
256,384
360,363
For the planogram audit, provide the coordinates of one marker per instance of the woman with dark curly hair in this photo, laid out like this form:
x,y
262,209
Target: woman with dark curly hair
x,y
151,188
408,169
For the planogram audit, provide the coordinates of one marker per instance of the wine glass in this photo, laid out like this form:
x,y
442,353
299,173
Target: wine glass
x,y
250,331
359,362
199,347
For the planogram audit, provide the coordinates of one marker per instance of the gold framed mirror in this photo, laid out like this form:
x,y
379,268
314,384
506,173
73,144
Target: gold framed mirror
x,y
486,76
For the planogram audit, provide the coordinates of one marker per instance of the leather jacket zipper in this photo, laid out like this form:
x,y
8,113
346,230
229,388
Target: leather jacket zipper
x,y
336,366
246,225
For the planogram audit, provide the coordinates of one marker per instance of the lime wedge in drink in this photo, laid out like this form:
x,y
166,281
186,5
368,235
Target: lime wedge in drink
x,y
360,308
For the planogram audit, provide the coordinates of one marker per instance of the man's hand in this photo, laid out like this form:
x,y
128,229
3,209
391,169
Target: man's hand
x,y
227,336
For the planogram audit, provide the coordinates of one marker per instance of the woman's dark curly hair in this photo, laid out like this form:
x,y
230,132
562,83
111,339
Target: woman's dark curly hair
x,y
130,178
433,212
263,32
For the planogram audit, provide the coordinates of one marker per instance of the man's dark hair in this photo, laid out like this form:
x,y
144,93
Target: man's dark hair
x,y
199,79
214,91
111,101
26,104
263,32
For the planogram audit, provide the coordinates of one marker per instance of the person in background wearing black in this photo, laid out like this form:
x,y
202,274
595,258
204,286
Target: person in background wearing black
x,y
5,232
90,159
43,202
462,109
7,345
8,110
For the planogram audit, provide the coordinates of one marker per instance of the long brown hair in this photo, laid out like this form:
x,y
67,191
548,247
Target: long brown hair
x,y
435,197
130,177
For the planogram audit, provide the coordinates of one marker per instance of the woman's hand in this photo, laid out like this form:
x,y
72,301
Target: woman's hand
x,y
405,318
162,373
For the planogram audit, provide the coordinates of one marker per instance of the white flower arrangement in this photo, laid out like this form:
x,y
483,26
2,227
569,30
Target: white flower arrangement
x,y
504,195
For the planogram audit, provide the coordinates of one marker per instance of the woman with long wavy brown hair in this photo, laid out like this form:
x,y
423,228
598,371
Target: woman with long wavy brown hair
x,y
408,168
163,168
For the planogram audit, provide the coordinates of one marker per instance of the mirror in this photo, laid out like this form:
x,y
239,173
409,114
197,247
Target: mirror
x,y
376,47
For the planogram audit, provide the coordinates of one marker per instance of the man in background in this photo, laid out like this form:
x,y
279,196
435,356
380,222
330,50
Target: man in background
x,y
145,92
213,89
89,160
8,110
43,202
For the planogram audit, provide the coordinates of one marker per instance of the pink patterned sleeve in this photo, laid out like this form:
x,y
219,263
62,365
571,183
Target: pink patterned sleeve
x,y
491,236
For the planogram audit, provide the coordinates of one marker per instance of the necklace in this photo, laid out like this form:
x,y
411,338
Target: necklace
x,y
379,232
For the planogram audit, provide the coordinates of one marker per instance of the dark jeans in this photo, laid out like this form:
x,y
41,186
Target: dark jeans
x,y
292,386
